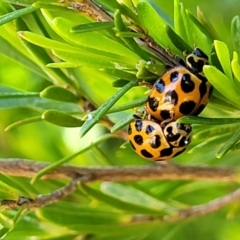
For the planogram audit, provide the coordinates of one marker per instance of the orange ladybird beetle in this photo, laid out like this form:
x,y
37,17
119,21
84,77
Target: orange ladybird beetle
x,y
182,90
154,141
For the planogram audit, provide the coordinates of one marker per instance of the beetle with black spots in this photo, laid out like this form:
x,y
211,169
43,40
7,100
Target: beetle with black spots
x,y
154,141
182,90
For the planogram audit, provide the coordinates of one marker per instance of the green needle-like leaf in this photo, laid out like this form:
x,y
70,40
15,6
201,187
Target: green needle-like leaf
x,y
122,123
93,41
61,119
16,14
216,131
102,110
123,107
13,95
200,27
130,42
178,20
46,42
23,122
224,57
59,94
236,68
91,27
134,196
207,26
228,145
220,81
130,76
207,121
177,40
235,32
69,158
154,25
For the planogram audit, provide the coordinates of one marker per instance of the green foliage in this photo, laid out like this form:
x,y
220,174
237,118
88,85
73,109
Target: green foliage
x,y
73,72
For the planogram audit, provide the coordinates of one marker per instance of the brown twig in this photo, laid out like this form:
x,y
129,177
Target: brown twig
x,y
92,10
206,208
194,211
43,200
160,171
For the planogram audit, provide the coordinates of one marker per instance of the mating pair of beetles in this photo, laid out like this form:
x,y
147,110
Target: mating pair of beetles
x,y
182,90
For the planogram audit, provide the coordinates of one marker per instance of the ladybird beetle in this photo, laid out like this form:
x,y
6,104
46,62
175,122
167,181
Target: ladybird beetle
x,y
182,90
152,141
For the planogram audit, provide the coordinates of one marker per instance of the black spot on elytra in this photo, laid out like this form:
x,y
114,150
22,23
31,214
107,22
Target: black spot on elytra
x,y
160,85
149,129
187,84
138,139
157,142
146,154
153,104
201,77
187,107
174,76
138,125
171,97
166,152
165,114
202,89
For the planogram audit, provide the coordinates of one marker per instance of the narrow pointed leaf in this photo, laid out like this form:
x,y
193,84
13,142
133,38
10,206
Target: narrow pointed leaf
x,y
61,119
66,159
228,145
199,26
46,42
130,76
210,31
119,83
93,41
210,143
16,14
126,106
208,121
135,196
90,27
224,57
177,40
59,94
178,21
23,122
220,81
130,42
236,66
235,32
122,123
61,65
102,110
155,25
